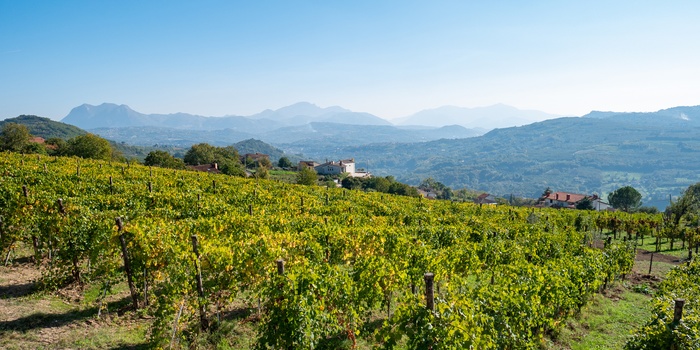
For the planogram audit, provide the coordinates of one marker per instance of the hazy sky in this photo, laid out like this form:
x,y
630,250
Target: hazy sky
x,y
388,58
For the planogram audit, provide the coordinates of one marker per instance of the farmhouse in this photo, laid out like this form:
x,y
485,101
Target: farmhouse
x,y
210,168
486,198
307,164
569,200
336,168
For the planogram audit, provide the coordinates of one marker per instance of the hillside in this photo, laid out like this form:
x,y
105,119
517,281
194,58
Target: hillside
x,y
45,127
257,146
585,155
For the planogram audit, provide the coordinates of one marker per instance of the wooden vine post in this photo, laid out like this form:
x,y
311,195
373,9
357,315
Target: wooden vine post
x,y
280,267
71,245
204,323
35,239
651,262
678,310
429,294
127,265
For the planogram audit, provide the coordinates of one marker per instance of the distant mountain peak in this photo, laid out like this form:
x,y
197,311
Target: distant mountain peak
x,y
683,115
489,117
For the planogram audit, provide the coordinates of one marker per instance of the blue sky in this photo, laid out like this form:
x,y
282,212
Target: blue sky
x,y
388,58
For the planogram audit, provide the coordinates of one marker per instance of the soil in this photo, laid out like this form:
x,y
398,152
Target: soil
x,y
30,319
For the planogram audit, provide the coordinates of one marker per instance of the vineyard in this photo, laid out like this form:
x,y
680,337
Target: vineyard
x,y
316,265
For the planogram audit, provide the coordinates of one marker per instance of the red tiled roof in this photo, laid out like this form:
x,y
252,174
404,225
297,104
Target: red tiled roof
x,y
565,197
205,167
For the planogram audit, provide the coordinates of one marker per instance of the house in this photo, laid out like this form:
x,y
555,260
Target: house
x,y
307,164
561,199
569,200
599,205
485,198
41,141
37,139
427,194
210,168
336,168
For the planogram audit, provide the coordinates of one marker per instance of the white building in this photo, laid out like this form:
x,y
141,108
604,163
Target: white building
x,y
336,168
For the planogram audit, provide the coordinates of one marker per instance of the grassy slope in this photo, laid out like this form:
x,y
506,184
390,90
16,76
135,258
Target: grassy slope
x,y
609,319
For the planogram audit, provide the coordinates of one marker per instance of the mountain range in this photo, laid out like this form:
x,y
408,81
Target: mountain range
x,y
300,122
109,115
491,117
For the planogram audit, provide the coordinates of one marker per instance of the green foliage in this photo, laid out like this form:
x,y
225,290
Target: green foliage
x,y
163,159
231,167
14,137
90,146
285,163
661,332
307,176
505,276
257,146
380,184
46,128
625,198
204,153
59,146
648,210
585,204
261,172
34,148
437,187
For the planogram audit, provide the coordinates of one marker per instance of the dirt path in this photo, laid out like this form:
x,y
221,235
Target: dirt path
x,y
645,255
37,320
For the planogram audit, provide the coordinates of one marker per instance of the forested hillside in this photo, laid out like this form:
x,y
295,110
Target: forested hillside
x,y
582,155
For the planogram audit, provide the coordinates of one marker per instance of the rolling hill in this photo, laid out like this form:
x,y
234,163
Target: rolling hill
x,y
585,155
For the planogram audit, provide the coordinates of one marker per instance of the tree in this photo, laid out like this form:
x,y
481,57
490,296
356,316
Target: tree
x,y
163,159
441,191
351,183
307,176
689,202
226,158
231,167
284,162
625,198
57,146
547,192
585,204
34,148
90,146
14,137
201,153
261,172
